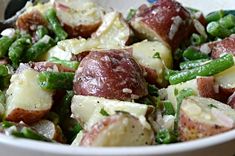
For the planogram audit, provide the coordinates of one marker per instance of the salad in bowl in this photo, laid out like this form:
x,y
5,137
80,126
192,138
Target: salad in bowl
x,y
74,72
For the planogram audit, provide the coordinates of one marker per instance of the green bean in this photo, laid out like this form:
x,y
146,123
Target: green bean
x,y
197,40
3,70
227,12
41,32
217,30
165,136
56,80
215,16
153,90
168,108
208,69
131,14
63,109
55,25
17,49
192,64
70,64
228,21
39,48
5,43
169,72
193,54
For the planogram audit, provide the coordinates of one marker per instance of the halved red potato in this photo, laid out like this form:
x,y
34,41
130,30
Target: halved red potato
x,y
29,21
166,20
86,109
227,45
202,117
118,130
49,130
231,101
82,20
49,66
113,74
25,100
202,86
144,53
114,33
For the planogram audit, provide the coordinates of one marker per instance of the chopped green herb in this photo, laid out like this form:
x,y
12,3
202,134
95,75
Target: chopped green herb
x,y
131,14
165,136
6,124
212,106
103,112
176,92
157,55
168,108
153,90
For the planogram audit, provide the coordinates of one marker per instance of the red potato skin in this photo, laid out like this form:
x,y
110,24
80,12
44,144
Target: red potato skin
x,y
29,21
231,101
107,73
79,30
160,18
26,116
225,46
191,130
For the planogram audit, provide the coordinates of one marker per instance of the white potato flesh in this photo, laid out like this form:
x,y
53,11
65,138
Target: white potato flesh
x,y
87,109
169,92
81,12
58,53
226,79
25,93
145,50
112,34
208,111
118,130
42,8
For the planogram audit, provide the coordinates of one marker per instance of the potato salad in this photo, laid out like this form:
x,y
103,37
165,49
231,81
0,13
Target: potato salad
x,y
73,72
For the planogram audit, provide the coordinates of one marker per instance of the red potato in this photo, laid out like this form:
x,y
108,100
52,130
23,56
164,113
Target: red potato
x,y
166,21
25,100
227,45
30,20
81,21
112,74
203,117
118,130
49,130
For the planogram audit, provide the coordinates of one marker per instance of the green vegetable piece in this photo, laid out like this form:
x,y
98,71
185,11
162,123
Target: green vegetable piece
x,y
41,32
103,112
157,55
193,54
2,97
70,64
17,49
39,48
3,70
228,21
55,80
5,43
168,108
5,82
153,90
197,40
169,72
208,69
193,64
55,25
217,30
131,14
215,16
212,106
64,109
165,136
6,124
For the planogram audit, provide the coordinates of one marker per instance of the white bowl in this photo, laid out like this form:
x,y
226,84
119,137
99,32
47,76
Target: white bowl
x,y
222,144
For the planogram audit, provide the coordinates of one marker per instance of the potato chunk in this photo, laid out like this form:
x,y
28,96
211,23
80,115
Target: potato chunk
x,y
112,74
202,117
118,130
25,100
166,20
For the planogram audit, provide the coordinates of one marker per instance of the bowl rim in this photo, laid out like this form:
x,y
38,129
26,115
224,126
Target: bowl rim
x,y
61,149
